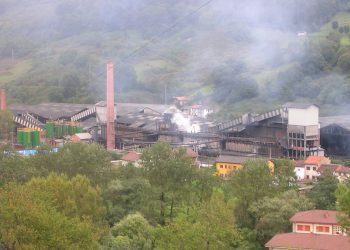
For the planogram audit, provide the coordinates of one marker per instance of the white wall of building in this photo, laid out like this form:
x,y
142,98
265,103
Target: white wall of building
x,y
299,172
303,117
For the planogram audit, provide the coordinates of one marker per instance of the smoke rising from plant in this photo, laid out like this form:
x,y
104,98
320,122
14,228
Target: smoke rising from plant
x,y
230,53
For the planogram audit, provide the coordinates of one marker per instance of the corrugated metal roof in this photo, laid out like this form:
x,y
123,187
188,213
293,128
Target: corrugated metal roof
x,y
342,121
298,105
50,110
232,159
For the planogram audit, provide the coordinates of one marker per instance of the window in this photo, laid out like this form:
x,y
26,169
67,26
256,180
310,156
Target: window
x,y
307,177
221,166
337,229
322,229
304,228
307,168
314,168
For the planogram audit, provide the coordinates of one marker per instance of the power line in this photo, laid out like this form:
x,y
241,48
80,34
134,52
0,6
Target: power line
x,y
154,38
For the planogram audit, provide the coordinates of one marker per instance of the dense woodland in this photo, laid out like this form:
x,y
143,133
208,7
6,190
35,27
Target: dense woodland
x,y
75,199
235,55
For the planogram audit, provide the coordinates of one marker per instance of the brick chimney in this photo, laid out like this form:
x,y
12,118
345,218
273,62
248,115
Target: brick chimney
x,y
3,99
110,131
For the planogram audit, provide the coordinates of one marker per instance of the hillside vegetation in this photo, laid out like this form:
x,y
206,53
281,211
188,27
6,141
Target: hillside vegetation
x,y
234,55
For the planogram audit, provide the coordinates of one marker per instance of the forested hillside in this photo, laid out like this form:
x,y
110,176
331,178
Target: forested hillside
x,y
239,55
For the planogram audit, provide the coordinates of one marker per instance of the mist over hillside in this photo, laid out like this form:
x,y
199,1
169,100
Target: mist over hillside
x,y
238,56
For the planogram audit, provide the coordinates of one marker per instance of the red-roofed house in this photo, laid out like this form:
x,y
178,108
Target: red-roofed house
x,y
297,241
131,157
181,100
312,230
81,137
312,163
339,171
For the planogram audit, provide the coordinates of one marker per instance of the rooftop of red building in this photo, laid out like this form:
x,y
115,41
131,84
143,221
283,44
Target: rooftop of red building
x,y
131,156
314,160
334,168
316,216
309,241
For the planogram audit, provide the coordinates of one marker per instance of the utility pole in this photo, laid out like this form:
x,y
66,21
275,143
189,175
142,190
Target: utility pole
x,y
165,94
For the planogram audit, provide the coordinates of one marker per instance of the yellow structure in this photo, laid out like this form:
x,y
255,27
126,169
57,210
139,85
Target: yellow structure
x,y
226,164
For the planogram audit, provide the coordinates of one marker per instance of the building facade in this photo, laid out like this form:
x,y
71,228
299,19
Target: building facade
x,y
312,230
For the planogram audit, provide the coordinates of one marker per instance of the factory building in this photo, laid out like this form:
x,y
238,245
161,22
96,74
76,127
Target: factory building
x,y
335,135
136,125
291,130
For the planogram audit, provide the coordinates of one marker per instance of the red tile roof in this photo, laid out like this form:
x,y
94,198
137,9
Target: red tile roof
x,y
131,156
310,241
191,153
316,216
181,98
314,160
334,168
298,163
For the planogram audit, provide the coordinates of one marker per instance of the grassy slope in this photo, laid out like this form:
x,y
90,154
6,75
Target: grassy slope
x,y
12,70
174,59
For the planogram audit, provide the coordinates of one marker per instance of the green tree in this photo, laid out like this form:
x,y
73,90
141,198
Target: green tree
x,y
124,196
323,193
135,232
74,198
250,184
272,214
343,204
170,171
6,125
91,160
343,61
13,167
232,84
32,218
335,25
210,226
284,175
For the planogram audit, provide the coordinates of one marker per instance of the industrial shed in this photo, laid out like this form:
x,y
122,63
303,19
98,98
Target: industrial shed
x,y
335,135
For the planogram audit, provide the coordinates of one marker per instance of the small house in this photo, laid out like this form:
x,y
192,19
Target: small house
x,y
312,230
81,137
312,163
339,171
131,157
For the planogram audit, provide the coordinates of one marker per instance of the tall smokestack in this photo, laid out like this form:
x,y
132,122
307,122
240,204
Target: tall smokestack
x,y
110,133
2,99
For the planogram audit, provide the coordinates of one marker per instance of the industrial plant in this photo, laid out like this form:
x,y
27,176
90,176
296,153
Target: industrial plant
x,y
293,130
